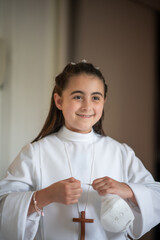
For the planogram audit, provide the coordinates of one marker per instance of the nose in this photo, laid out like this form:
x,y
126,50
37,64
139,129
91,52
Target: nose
x,y
86,106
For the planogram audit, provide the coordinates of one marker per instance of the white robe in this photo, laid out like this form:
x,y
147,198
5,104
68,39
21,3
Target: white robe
x,y
45,162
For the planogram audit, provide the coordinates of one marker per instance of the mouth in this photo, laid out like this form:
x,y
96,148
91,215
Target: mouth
x,y
84,115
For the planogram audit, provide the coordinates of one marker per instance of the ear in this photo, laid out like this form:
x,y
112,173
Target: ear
x,y
58,101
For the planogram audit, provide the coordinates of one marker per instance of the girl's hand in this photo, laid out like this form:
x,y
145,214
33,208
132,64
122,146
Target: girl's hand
x,y
66,191
108,185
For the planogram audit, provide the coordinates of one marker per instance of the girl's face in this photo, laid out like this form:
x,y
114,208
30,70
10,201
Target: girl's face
x,y
82,102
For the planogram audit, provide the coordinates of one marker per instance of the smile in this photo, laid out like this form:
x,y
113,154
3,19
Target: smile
x,y
85,116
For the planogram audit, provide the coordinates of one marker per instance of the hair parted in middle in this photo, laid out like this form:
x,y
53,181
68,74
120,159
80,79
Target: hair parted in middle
x,y
55,119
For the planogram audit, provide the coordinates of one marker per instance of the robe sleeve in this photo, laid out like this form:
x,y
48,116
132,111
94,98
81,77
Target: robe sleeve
x,y
146,191
16,191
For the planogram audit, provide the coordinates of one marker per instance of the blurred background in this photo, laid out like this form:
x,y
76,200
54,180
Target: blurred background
x,y
38,38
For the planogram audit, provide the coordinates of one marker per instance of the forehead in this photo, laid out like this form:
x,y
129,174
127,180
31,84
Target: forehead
x,y
85,82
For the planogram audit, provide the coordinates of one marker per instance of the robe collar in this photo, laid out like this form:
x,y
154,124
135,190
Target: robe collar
x,y
67,134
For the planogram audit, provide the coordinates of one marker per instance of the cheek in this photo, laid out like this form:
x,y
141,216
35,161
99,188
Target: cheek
x,y
73,106
99,109
69,108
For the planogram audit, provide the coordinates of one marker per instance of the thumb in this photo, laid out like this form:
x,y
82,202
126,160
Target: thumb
x,y
72,179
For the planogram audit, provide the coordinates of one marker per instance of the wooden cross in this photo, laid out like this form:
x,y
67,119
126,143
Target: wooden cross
x,y
83,220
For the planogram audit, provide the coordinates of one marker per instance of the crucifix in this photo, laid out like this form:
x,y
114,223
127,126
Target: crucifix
x,y
83,220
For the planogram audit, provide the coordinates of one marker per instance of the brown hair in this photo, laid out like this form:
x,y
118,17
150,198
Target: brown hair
x,y
55,119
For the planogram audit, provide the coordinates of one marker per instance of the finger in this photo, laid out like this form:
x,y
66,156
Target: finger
x,y
99,184
103,193
98,180
72,201
73,198
73,189
76,196
75,186
71,180
72,183
69,201
75,192
101,180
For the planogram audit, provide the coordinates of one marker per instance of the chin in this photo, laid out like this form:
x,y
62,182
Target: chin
x,y
84,130
81,128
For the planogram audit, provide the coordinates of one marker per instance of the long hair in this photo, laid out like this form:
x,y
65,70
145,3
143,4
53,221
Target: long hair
x,y
55,119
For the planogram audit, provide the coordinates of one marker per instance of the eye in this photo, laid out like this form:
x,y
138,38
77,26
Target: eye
x,y
96,98
77,97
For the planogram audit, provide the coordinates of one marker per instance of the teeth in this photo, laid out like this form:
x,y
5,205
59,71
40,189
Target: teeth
x,y
84,115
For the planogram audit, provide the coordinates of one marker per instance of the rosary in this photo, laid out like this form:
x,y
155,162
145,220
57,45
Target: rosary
x,y
82,218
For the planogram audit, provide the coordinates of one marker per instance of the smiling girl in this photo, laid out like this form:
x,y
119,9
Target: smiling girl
x,y
82,102
71,168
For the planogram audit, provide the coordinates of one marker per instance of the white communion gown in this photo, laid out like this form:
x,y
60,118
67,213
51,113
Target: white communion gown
x,y
43,163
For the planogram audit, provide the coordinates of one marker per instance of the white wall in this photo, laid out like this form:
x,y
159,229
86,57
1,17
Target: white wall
x,y
29,30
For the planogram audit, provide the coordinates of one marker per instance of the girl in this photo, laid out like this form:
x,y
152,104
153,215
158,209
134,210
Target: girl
x,y
71,167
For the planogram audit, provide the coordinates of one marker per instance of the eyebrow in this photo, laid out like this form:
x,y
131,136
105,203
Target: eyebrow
x,y
81,92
